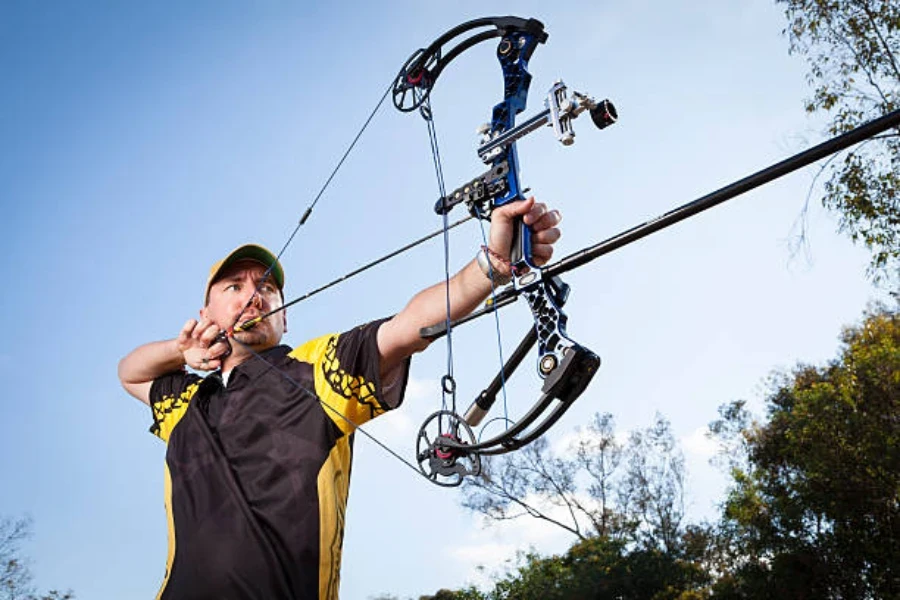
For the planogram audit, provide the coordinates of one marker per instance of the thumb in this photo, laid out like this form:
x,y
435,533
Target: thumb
x,y
516,209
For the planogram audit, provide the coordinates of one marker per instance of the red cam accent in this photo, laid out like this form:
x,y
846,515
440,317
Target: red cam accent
x,y
445,454
417,78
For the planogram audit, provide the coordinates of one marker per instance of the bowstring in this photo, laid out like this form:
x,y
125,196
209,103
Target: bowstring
x,y
309,209
448,383
428,115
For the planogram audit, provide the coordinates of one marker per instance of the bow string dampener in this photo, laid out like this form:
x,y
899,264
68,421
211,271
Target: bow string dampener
x,y
447,449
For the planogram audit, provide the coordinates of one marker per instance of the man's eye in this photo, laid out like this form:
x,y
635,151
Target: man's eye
x,y
268,288
233,286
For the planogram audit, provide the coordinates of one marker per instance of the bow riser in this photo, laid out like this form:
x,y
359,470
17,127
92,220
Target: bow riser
x,y
449,453
513,52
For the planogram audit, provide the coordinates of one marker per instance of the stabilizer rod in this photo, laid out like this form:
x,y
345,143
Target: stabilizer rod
x,y
780,169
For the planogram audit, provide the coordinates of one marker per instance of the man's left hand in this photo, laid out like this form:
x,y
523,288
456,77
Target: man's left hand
x,y
544,230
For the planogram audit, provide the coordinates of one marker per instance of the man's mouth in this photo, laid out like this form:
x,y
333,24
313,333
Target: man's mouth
x,y
248,323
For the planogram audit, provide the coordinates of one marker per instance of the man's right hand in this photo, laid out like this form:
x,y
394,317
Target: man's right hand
x,y
197,345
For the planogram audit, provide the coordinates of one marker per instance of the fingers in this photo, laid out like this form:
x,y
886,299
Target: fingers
x,y
217,350
204,333
544,231
197,344
185,334
550,235
542,221
206,359
541,253
535,214
512,210
547,219
207,364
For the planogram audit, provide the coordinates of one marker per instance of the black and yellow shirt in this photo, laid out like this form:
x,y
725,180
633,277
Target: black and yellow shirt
x,y
257,472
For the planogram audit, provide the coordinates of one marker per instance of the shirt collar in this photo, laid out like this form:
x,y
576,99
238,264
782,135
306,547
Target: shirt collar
x,y
261,362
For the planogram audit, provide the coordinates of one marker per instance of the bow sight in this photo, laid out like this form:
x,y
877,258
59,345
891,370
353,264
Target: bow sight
x,y
480,193
447,449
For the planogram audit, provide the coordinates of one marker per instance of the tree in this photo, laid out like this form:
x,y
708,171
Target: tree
x,y
853,51
597,567
653,491
598,487
15,575
814,511
622,501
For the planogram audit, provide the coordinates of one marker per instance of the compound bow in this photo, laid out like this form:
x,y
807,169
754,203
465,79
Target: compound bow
x,y
447,450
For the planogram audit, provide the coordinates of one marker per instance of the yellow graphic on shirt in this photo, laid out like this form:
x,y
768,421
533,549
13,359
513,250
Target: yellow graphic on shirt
x,y
168,412
341,393
170,520
333,484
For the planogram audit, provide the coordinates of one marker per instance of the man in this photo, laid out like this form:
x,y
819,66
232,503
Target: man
x,y
259,451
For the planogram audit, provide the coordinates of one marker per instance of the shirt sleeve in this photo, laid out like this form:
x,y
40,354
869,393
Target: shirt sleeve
x,y
170,396
346,370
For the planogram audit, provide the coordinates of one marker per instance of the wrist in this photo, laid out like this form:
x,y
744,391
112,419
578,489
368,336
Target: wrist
x,y
495,267
176,353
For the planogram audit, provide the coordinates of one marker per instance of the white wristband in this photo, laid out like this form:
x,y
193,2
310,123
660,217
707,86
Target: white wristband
x,y
490,270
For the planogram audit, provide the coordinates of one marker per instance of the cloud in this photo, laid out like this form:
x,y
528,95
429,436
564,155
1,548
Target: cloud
x,y
698,444
490,551
489,554
562,445
420,390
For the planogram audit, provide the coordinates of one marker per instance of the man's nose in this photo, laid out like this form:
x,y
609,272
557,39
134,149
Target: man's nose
x,y
255,299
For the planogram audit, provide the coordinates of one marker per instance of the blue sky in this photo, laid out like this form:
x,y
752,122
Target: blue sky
x,y
144,140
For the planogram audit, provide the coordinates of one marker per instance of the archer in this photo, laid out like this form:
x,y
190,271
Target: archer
x,y
259,450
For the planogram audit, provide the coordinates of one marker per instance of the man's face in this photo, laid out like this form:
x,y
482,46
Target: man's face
x,y
230,294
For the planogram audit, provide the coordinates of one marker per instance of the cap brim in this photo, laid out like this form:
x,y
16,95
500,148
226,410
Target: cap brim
x,y
252,252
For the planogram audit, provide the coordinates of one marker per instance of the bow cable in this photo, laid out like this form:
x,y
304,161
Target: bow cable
x,y
448,383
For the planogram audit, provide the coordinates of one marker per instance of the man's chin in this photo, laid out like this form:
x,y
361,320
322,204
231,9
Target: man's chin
x,y
255,339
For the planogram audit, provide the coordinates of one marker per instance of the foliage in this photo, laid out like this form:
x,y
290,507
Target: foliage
x,y
599,567
622,501
853,51
15,575
469,593
815,512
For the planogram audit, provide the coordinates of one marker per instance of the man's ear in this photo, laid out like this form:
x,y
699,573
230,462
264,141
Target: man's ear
x,y
203,313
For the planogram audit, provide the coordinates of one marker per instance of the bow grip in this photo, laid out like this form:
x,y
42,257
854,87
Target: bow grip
x,y
521,243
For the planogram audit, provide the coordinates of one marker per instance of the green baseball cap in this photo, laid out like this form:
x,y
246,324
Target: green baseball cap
x,y
253,252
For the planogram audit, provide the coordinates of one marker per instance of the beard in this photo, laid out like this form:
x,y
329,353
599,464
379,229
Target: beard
x,y
261,336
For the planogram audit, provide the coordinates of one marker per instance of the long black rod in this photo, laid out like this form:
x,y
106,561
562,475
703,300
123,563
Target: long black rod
x,y
788,165
780,169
